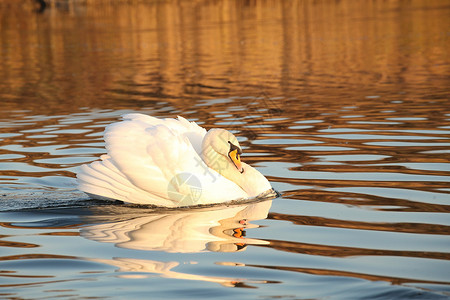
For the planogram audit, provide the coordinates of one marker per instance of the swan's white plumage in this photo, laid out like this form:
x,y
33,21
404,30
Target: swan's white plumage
x,y
145,154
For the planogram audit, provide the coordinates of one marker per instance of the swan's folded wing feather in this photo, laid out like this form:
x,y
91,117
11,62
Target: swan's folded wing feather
x,y
138,150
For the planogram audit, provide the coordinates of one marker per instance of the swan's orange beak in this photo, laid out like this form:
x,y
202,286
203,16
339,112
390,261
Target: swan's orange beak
x,y
236,159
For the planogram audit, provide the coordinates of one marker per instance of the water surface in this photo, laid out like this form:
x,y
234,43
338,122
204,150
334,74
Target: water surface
x,y
344,106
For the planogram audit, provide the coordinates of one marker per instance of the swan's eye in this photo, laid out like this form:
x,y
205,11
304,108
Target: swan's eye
x,y
234,147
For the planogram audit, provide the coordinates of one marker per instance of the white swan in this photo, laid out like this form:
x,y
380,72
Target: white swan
x,y
170,162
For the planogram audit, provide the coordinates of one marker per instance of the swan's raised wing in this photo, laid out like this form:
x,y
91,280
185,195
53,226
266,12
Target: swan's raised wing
x,y
179,126
153,161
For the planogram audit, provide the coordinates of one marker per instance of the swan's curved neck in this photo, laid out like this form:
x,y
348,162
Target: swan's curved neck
x,y
251,181
220,163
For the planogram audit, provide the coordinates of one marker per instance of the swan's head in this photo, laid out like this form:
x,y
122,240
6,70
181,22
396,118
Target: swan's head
x,y
224,144
221,152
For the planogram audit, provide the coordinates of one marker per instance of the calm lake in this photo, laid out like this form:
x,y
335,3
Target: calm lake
x,y
343,105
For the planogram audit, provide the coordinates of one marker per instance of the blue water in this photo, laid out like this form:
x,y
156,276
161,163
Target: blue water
x,y
343,106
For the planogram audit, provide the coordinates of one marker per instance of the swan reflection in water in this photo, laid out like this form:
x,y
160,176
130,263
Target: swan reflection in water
x,y
220,229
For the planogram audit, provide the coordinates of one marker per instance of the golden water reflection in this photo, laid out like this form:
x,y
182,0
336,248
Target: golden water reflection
x,y
93,53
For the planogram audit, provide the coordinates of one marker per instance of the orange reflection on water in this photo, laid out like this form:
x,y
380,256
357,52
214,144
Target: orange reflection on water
x,y
85,54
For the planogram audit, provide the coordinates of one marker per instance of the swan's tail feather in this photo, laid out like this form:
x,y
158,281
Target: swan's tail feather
x,y
101,179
